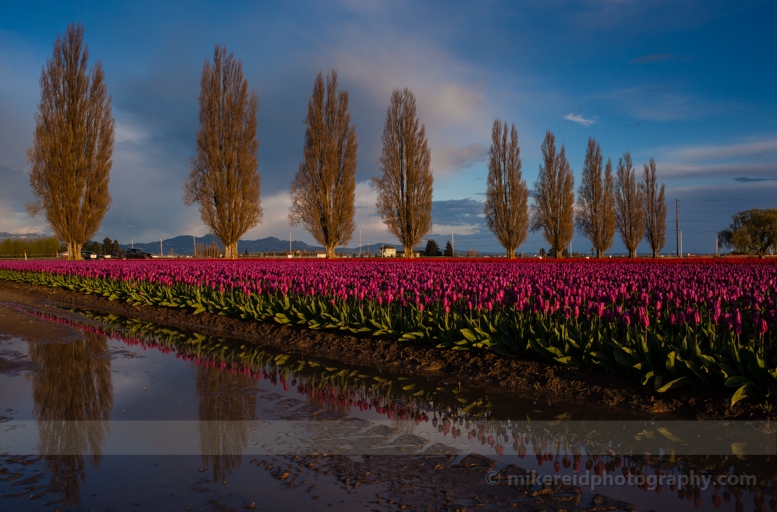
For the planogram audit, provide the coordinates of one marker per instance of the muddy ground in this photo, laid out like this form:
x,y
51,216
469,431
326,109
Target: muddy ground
x,y
605,395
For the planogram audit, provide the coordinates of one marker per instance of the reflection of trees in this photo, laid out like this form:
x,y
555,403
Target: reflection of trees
x,y
226,400
73,394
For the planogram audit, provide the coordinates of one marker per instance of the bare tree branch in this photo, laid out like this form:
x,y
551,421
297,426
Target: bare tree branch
x,y
224,178
629,205
506,208
554,208
405,185
655,208
596,201
323,191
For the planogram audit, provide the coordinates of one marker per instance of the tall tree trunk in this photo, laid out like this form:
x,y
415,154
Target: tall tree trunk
x,y
409,252
230,251
330,252
74,250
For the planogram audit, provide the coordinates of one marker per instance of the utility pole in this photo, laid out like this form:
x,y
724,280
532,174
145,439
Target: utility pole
x,y
453,246
290,253
360,243
194,245
160,248
677,225
716,246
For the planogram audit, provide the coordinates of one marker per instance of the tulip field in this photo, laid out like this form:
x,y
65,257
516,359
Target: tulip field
x,y
669,324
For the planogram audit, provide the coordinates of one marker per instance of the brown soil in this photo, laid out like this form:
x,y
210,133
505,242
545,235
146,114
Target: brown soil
x,y
605,395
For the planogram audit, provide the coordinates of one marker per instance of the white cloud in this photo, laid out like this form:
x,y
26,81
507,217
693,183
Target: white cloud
x,y
454,158
449,92
739,159
275,218
458,229
19,222
728,170
275,221
126,131
577,118
724,151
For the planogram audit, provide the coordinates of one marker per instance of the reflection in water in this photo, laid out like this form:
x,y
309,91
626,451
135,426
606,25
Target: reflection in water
x,y
227,379
73,394
225,399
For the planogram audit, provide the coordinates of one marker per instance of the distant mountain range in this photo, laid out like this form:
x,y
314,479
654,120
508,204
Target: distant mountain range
x,y
25,236
184,245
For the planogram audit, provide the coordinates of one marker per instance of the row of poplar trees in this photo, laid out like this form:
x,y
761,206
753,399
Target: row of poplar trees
x,y
71,158
635,208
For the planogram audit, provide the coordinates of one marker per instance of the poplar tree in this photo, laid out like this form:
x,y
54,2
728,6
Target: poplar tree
x,y
554,208
506,208
73,144
405,184
224,177
596,200
323,191
629,205
655,208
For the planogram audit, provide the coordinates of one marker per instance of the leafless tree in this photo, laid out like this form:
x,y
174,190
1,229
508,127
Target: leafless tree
x,y
405,185
554,208
224,178
71,153
655,208
323,191
506,208
596,200
629,205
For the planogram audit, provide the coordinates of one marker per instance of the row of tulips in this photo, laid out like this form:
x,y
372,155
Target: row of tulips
x,y
710,324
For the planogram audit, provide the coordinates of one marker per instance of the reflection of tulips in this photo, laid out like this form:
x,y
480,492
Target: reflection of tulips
x,y
221,372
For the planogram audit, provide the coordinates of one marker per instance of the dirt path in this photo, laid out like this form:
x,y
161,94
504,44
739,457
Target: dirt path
x,y
599,394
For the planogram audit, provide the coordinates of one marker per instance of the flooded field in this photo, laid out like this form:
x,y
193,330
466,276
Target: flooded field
x,y
115,413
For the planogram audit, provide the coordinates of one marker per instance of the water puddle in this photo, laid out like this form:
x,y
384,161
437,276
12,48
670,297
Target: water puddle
x,y
133,414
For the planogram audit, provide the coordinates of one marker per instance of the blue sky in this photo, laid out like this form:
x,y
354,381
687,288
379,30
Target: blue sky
x,y
689,83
